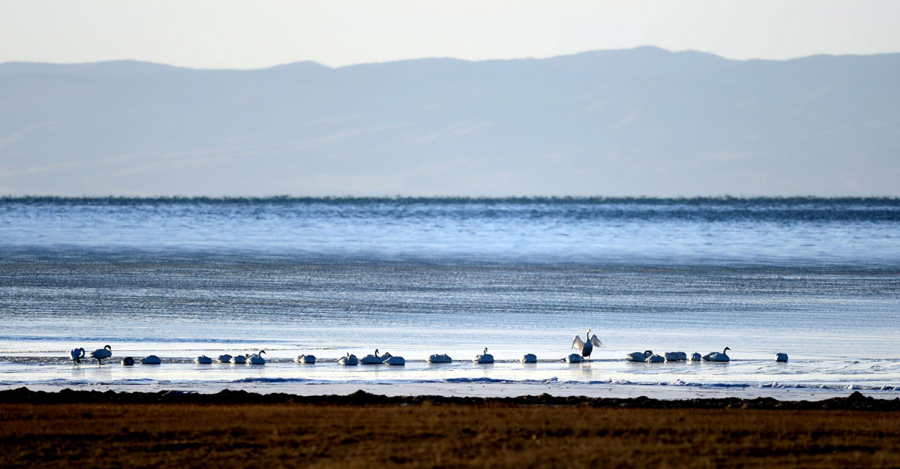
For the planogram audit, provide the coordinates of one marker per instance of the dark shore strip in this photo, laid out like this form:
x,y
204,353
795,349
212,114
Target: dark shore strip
x,y
363,431
855,401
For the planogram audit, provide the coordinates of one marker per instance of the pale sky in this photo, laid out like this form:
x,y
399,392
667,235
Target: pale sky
x,y
257,34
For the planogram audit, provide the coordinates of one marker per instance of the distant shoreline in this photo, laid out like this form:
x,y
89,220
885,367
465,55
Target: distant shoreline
x,y
402,199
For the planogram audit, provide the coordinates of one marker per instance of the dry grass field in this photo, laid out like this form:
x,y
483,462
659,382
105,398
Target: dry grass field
x,y
182,435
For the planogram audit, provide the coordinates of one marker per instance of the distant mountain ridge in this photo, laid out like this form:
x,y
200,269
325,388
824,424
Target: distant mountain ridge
x,y
638,122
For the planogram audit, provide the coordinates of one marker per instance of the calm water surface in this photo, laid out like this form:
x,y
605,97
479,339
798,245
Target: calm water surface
x,y
816,278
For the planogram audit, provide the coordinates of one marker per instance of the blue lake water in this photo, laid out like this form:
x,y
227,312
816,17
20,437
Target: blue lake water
x,y
815,278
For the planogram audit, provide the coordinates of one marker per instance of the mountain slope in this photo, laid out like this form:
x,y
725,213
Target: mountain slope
x,y
631,122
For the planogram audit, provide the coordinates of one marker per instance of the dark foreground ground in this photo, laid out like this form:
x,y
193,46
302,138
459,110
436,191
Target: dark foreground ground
x,y
234,429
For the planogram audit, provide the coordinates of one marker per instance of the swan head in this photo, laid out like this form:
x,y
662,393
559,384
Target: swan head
x,y
485,350
376,352
726,349
261,352
648,352
108,348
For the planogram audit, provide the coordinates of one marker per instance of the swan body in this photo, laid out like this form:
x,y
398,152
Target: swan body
x,y
224,358
306,359
150,360
484,358
695,357
394,360
101,353
574,358
781,357
587,347
239,360
203,360
439,358
675,356
127,361
349,360
371,359
718,357
77,354
656,359
639,356
529,358
257,359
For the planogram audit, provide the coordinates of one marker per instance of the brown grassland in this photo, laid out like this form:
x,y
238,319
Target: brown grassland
x,y
370,436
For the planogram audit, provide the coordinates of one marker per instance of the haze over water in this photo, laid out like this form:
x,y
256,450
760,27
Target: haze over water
x,y
816,278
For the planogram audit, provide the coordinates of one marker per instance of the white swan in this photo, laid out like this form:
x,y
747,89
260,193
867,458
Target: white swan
x,y
239,360
639,356
224,358
101,353
675,356
484,359
77,354
127,361
587,347
654,358
439,358
718,357
349,360
781,357
394,360
372,359
574,358
257,359
203,360
150,360
695,357
306,359
529,358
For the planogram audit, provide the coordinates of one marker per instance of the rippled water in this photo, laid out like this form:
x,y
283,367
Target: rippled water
x,y
816,278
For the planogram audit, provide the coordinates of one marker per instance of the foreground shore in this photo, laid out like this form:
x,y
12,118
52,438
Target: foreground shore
x,y
238,429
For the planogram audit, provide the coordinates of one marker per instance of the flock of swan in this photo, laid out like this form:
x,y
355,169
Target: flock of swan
x,y
585,348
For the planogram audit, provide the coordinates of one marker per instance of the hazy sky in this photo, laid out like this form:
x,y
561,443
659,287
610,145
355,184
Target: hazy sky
x,y
245,34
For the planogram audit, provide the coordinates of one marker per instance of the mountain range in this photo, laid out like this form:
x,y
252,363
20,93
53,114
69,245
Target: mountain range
x,y
638,122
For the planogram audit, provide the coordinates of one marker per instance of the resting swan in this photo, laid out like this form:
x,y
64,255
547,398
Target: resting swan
x,y
225,358
371,359
150,360
239,360
781,357
306,359
574,358
718,357
203,360
257,359
639,356
484,358
349,360
529,358
393,360
439,358
675,356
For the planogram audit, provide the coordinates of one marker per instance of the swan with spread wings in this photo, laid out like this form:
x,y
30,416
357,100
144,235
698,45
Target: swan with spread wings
x,y
587,347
